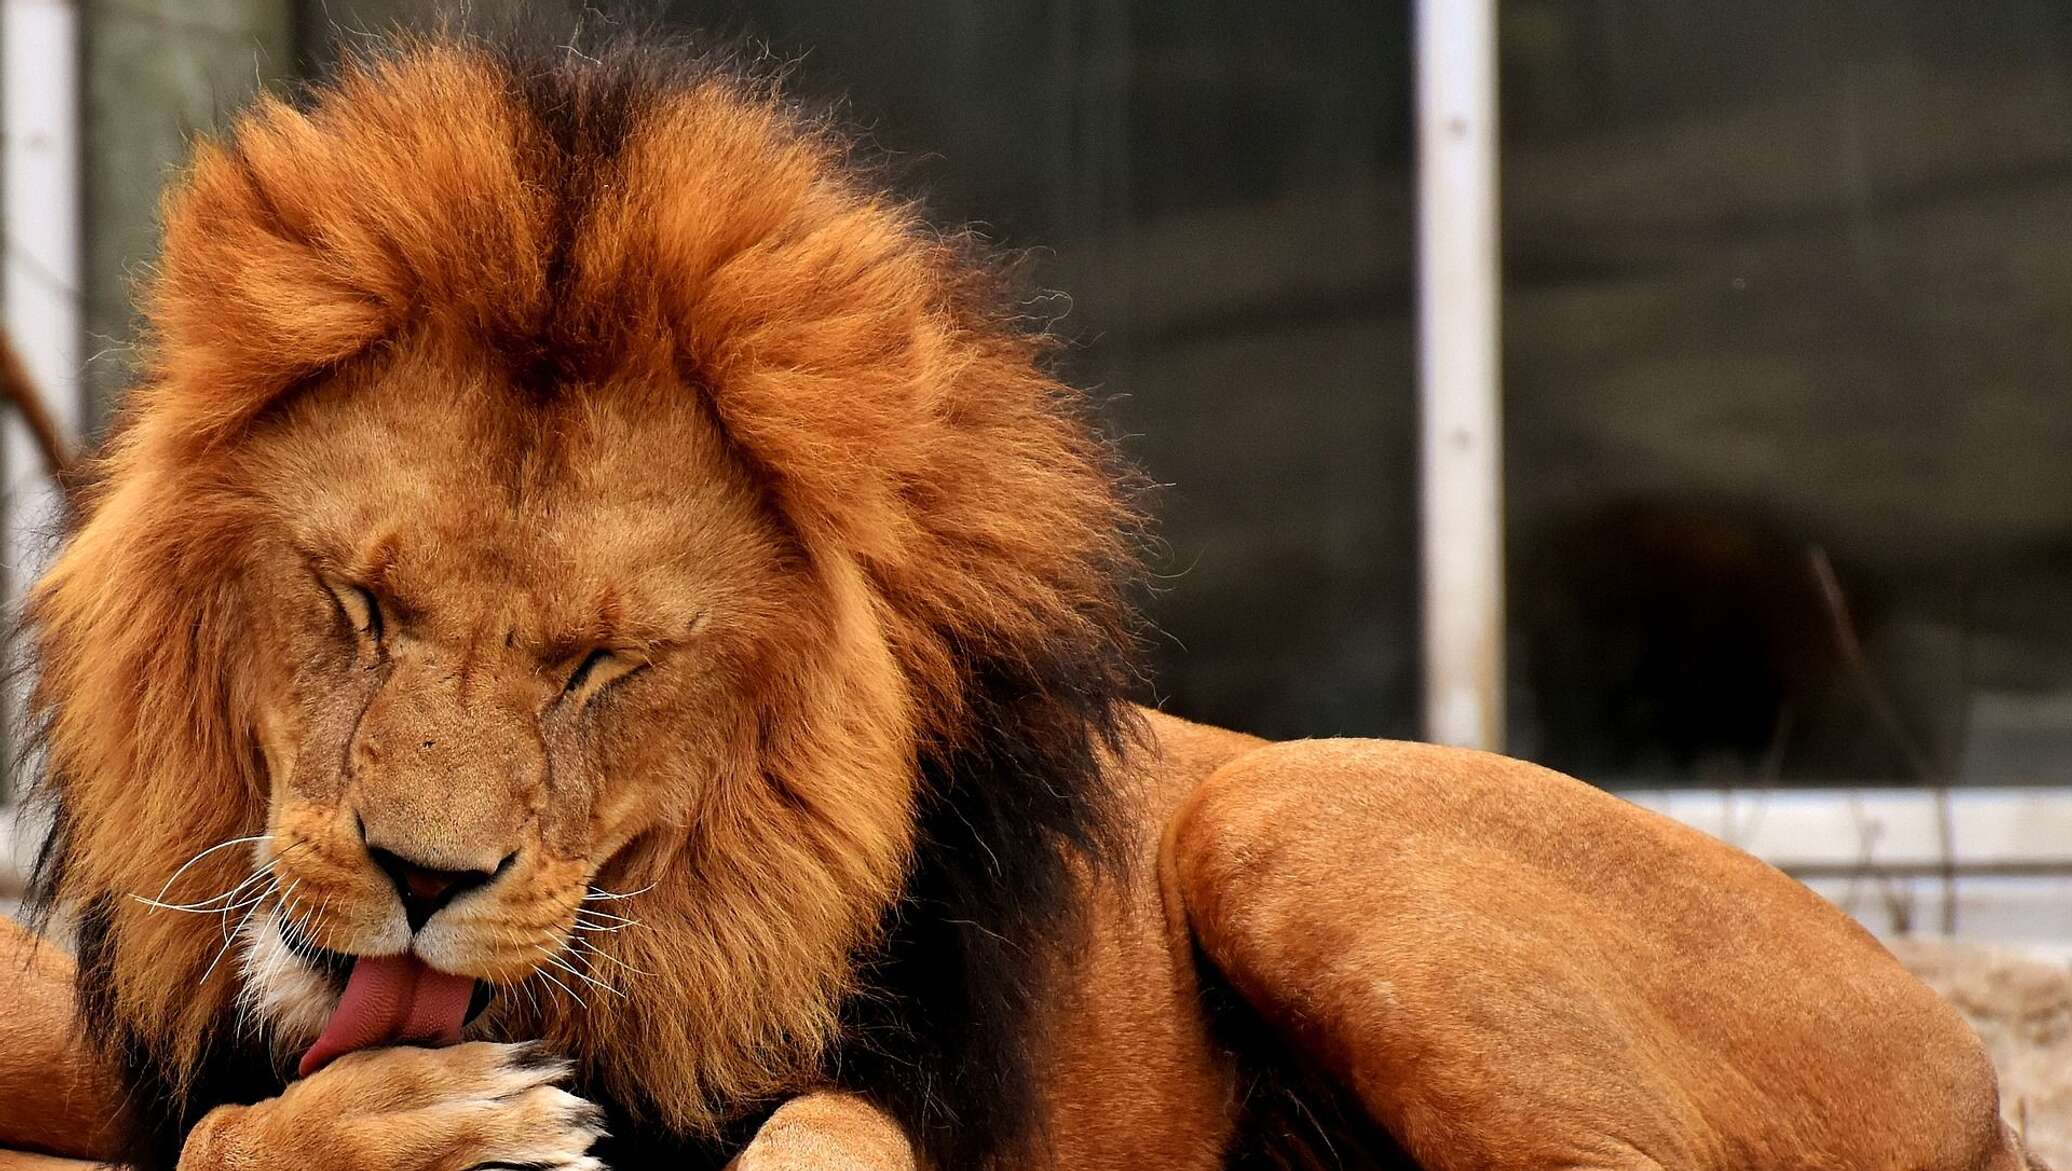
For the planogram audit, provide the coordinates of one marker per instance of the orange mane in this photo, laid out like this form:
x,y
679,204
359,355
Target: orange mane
x,y
570,212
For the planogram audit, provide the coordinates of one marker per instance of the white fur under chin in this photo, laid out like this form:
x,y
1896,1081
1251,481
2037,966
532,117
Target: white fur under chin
x,y
281,990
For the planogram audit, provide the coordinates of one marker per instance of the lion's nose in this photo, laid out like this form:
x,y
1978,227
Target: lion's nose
x,y
425,889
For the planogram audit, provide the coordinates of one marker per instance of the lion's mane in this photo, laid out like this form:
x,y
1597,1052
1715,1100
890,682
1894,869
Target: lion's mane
x,y
564,209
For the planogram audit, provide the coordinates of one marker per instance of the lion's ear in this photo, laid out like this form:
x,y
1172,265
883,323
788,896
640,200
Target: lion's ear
x,y
302,238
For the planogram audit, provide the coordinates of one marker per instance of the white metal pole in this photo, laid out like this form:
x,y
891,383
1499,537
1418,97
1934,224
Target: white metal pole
x,y
40,212
1459,372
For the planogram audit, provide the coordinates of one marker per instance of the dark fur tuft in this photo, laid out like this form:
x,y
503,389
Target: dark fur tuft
x,y
161,1113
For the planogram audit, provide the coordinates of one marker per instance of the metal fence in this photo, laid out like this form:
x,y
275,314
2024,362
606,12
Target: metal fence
x,y
1741,382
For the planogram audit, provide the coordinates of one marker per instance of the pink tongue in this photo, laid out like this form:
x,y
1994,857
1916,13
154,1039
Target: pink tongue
x,y
390,999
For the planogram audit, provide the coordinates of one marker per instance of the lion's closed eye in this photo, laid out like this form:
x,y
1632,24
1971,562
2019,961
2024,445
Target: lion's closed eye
x,y
358,607
597,670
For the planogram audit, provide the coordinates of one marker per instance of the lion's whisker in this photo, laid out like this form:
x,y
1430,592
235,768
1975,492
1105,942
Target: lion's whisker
x,y
222,845
258,873
555,959
246,905
231,901
231,938
605,915
583,924
593,949
549,977
304,942
210,905
315,920
280,904
593,929
256,893
599,894
294,932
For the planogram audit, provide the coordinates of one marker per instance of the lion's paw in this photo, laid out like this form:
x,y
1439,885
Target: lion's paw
x,y
478,1105
545,1127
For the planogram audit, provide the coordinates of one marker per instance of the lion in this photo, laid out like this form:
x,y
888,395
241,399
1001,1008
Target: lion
x,y
599,640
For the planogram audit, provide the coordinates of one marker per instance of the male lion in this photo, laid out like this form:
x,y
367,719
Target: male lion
x,y
585,577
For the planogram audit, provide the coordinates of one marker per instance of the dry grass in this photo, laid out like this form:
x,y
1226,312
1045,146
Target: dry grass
x,y
2022,1007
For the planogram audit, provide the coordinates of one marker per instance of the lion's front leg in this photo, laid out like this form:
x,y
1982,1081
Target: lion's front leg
x,y
827,1132
55,1095
409,1109
26,1161
1509,969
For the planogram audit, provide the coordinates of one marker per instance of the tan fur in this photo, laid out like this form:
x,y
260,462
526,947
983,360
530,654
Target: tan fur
x,y
30,1161
58,1095
827,1132
338,570
1510,971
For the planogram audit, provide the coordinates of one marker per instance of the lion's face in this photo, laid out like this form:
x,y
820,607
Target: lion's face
x,y
496,642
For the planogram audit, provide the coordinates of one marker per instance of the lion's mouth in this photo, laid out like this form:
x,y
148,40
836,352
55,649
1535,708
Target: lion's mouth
x,y
337,967
394,1000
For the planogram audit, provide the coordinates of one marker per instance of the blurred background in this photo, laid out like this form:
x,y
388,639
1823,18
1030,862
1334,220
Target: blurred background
x,y
1786,508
